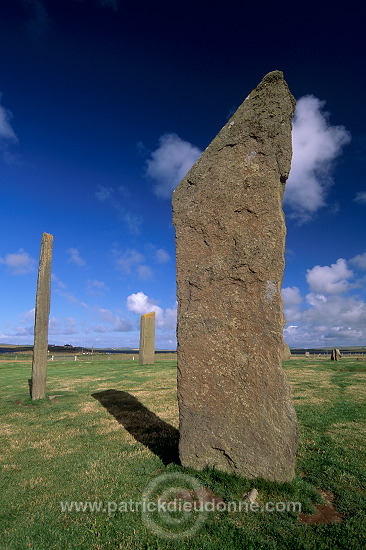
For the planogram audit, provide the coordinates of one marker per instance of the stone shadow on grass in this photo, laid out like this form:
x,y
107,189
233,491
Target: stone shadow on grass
x,y
147,428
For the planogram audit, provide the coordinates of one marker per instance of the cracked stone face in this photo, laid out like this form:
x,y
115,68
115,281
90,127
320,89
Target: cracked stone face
x,y
234,399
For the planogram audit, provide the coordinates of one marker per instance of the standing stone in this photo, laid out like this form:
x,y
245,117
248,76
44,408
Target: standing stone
x,y
286,353
335,355
234,398
40,348
147,339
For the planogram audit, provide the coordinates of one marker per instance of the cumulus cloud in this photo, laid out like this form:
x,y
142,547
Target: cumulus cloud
x,y
56,326
360,197
74,257
140,303
19,263
170,162
329,315
316,145
328,321
117,323
331,279
126,261
292,301
359,261
130,262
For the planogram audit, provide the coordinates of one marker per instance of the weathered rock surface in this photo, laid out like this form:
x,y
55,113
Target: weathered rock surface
x,y
286,352
234,399
147,339
335,355
43,296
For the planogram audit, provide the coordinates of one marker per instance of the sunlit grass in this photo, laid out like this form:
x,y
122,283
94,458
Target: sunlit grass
x,y
85,442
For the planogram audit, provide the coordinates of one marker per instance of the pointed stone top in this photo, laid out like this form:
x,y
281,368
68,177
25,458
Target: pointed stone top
x,y
272,76
47,236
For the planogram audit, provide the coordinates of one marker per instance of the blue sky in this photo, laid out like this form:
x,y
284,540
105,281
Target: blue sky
x,y
103,108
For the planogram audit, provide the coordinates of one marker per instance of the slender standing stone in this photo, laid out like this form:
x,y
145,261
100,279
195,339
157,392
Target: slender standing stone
x,y
234,399
40,348
286,354
147,339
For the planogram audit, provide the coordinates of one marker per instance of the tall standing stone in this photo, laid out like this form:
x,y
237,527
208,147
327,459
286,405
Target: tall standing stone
x,y
234,398
40,348
147,339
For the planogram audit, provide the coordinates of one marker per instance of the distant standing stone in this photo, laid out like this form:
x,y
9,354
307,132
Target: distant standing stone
x,y
234,399
335,355
286,354
40,348
147,339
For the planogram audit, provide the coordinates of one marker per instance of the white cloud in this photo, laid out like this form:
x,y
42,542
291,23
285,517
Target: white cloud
x,y
359,261
122,325
118,324
62,326
96,288
162,256
127,261
316,145
74,257
57,282
103,193
331,279
132,262
328,321
7,135
170,162
19,263
28,316
105,314
140,304
73,299
23,331
144,272
360,197
292,301
329,315
6,131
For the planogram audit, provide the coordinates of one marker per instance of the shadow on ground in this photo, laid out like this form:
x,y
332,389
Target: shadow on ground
x,y
147,428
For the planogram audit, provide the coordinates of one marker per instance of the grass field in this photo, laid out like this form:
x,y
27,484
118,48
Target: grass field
x,y
108,429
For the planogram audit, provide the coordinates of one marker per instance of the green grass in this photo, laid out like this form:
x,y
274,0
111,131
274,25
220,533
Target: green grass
x,y
85,442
